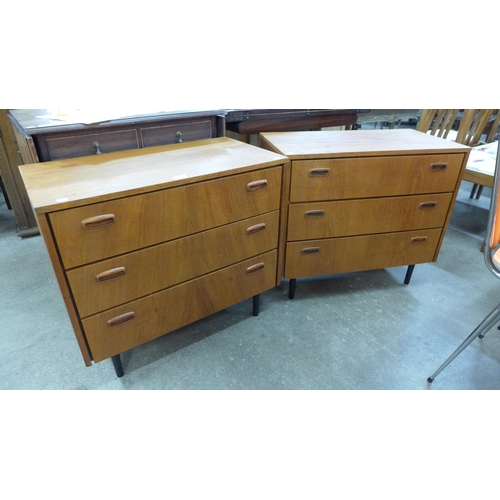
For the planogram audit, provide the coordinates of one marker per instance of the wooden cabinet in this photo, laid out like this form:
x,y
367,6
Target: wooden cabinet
x,y
360,200
146,241
41,138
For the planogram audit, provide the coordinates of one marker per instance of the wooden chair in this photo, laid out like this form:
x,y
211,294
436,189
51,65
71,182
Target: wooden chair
x,y
438,122
474,124
492,260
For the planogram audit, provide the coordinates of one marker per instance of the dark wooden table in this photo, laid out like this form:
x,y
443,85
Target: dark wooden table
x,y
254,121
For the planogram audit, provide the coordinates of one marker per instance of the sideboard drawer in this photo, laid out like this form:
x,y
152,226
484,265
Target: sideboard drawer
x,y
132,324
358,253
72,146
366,216
94,232
111,282
345,178
180,132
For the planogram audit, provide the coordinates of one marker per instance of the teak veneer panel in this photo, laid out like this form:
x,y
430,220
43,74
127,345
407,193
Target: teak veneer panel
x,y
366,216
63,184
356,143
360,253
370,177
153,218
149,270
160,313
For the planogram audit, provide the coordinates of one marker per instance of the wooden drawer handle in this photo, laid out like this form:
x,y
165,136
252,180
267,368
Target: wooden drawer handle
x,y
319,172
99,221
438,166
428,205
418,239
310,250
256,185
121,319
258,228
110,275
314,214
255,268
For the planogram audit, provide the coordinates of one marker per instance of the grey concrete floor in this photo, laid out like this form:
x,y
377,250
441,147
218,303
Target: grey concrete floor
x,y
362,330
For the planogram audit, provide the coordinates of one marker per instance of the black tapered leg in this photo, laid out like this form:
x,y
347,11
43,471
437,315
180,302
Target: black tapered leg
x,y
409,272
117,363
291,288
256,304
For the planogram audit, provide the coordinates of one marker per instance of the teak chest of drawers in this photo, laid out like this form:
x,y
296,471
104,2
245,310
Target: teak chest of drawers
x,y
144,242
362,200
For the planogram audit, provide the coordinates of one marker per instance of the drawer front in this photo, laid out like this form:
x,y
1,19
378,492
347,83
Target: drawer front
x,y
120,329
112,282
366,216
359,253
107,229
171,134
89,144
337,179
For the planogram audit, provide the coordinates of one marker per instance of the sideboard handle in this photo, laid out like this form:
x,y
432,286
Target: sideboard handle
x,y
310,250
319,172
111,274
428,205
314,214
256,185
438,166
96,145
98,221
121,319
418,239
178,134
255,268
256,229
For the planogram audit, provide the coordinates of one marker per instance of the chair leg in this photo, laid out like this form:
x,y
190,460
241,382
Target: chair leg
x,y
473,191
479,192
480,332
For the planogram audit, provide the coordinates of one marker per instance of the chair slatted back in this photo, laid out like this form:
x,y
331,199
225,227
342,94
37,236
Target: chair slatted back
x,y
494,127
474,124
438,121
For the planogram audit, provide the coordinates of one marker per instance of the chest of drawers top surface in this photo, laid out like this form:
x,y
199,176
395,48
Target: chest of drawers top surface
x,y
69,183
325,144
